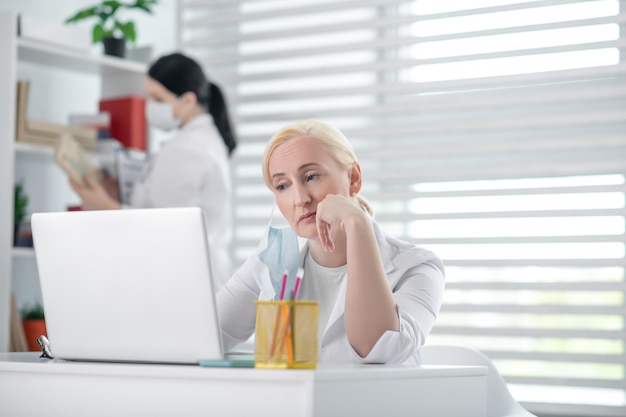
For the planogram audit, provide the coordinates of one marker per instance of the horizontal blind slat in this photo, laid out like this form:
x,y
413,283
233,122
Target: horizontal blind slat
x,y
580,263
576,410
547,96
392,88
586,310
502,214
540,286
230,18
226,59
527,240
572,382
399,64
556,356
521,332
233,17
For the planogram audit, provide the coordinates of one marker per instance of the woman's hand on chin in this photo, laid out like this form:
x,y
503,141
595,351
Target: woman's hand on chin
x,y
335,212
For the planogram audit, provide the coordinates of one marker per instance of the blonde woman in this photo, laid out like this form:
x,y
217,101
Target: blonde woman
x,y
378,296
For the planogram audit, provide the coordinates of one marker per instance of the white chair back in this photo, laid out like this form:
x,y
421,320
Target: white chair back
x,y
500,402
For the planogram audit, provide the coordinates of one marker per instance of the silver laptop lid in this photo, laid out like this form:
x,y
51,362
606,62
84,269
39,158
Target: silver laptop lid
x,y
127,285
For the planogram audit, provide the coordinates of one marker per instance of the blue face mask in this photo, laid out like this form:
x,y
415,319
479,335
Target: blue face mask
x,y
278,251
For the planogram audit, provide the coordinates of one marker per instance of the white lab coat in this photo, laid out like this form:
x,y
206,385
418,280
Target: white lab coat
x,y
415,275
192,169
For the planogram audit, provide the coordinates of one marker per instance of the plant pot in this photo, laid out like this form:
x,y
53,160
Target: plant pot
x,y
114,46
33,328
23,236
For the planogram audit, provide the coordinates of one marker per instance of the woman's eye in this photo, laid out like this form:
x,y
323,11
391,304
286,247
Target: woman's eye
x,y
280,187
311,177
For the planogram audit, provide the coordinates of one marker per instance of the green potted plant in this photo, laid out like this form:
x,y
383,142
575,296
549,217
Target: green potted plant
x,y
33,321
20,203
110,30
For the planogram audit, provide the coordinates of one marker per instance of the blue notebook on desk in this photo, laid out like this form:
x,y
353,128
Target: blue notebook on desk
x,y
128,286
231,361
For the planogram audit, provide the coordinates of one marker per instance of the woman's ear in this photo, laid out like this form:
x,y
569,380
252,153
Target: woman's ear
x,y
189,99
185,104
355,178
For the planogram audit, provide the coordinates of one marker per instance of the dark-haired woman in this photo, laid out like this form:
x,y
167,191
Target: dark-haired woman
x,y
192,168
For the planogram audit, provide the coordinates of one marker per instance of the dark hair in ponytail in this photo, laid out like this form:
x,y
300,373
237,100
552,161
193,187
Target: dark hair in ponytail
x,y
219,111
180,74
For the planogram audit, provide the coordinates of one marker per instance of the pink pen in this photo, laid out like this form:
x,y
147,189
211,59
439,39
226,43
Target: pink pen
x,y
296,288
278,312
284,284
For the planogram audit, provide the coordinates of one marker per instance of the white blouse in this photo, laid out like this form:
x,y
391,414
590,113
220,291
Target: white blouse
x,y
415,276
324,288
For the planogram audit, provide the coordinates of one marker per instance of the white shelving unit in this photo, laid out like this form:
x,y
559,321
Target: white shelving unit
x,y
116,77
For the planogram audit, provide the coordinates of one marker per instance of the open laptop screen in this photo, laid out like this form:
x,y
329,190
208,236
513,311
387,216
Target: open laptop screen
x,y
127,285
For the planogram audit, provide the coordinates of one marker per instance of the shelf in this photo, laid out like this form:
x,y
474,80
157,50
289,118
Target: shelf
x,y
41,61
59,57
23,252
31,148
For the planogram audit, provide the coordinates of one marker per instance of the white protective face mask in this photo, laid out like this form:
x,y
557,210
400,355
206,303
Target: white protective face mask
x,y
278,251
161,115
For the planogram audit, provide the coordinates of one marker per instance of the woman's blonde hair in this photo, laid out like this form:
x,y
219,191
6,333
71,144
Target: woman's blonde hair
x,y
336,142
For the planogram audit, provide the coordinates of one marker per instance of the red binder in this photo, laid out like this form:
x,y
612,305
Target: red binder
x,y
128,120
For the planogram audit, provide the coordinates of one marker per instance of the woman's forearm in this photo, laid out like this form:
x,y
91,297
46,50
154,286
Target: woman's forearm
x,y
370,308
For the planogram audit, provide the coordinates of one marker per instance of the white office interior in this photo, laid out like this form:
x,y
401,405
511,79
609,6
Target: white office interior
x,y
489,131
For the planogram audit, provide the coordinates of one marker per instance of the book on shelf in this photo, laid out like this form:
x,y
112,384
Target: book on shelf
x,y
126,166
46,133
17,336
128,120
39,128
100,122
130,166
70,156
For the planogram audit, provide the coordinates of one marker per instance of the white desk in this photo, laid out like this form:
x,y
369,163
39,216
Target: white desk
x,y
30,386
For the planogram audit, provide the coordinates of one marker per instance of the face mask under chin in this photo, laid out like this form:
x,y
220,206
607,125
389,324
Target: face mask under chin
x,y
278,251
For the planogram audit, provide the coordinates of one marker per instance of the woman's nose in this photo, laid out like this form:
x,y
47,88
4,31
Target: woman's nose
x,y
302,196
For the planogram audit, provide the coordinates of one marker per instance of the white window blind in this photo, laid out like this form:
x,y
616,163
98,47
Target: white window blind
x,y
490,131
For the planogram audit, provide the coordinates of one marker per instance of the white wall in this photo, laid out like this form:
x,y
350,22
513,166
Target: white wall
x,y
158,29
54,95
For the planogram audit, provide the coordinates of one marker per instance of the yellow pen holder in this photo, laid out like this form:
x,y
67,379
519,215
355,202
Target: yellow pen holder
x,y
286,334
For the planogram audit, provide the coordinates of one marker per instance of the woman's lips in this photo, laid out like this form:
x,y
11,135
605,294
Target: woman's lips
x,y
307,217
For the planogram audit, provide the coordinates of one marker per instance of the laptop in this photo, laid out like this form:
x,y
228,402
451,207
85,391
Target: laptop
x,y
128,286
